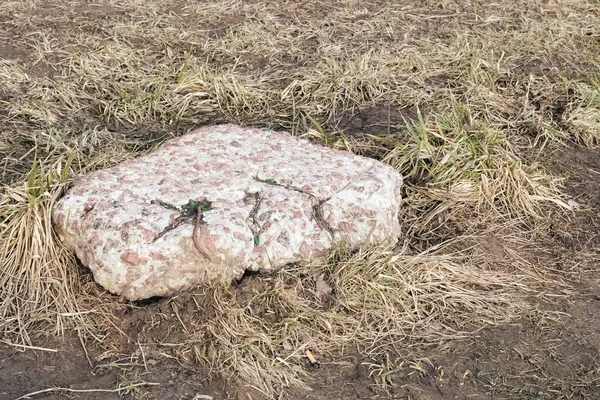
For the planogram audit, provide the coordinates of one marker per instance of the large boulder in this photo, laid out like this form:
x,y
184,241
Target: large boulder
x,y
221,200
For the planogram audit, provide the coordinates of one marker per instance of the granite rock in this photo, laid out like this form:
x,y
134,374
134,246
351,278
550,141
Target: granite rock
x,y
221,200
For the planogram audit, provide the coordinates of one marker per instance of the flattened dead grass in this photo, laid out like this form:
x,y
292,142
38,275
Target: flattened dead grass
x,y
377,303
473,91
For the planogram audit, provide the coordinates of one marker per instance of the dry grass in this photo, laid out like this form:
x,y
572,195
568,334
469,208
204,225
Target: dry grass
x,y
387,305
37,280
581,112
463,97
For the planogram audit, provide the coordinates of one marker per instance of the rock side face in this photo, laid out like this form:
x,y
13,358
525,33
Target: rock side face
x,y
220,200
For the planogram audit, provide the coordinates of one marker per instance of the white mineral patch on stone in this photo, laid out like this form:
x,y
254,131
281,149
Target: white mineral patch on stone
x,y
269,199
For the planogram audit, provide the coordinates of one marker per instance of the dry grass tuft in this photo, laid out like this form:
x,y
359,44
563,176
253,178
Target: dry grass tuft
x,y
582,113
460,160
36,279
40,281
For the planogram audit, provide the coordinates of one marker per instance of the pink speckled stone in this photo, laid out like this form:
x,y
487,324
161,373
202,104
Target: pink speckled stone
x,y
275,200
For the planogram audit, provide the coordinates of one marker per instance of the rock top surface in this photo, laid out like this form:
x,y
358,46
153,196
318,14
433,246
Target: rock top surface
x,y
218,201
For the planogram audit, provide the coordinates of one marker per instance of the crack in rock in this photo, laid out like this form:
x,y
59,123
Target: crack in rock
x,y
317,212
192,213
317,215
254,225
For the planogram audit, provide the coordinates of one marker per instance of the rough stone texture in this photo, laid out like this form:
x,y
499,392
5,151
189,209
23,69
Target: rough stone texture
x,y
274,200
